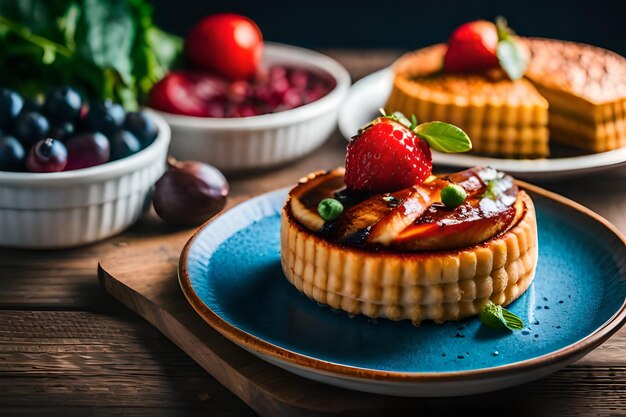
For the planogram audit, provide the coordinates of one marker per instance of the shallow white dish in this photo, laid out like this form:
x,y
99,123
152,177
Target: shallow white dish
x,y
370,93
64,209
244,143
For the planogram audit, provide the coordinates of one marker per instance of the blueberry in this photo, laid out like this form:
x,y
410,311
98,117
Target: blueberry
x,y
30,127
30,105
123,144
104,117
10,106
48,155
12,154
61,131
142,126
63,104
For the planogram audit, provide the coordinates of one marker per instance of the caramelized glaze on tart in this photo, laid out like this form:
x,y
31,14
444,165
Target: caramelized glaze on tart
x,y
404,255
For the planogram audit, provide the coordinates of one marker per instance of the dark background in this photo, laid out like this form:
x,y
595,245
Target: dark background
x,y
405,24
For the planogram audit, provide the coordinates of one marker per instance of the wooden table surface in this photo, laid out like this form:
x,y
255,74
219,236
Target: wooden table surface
x,y
67,348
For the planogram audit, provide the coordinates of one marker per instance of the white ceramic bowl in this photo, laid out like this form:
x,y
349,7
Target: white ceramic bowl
x,y
64,209
244,143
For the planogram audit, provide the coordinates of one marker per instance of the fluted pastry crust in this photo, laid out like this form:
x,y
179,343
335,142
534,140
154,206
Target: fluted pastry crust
x,y
440,286
501,116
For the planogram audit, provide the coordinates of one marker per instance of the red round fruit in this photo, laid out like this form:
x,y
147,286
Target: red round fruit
x,y
385,157
188,93
228,44
472,47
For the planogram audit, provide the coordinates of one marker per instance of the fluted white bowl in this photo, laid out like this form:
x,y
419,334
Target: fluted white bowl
x,y
244,143
64,209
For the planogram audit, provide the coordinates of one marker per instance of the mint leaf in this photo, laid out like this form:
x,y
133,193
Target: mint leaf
x,y
444,137
497,317
512,59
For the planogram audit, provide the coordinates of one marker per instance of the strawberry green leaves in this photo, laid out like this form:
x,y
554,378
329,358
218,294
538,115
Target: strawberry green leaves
x,y
444,137
441,136
498,317
510,54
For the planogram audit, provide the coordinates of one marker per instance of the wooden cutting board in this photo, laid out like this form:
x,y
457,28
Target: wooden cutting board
x,y
141,273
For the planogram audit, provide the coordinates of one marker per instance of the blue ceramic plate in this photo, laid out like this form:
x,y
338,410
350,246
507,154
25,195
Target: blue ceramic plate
x,y
230,271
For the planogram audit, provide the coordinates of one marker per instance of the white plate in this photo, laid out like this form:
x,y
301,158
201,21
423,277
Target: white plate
x,y
370,93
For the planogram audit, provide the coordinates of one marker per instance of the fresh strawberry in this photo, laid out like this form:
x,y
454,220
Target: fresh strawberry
x,y
472,47
386,156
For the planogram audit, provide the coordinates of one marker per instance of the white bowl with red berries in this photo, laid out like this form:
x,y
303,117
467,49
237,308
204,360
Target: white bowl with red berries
x,y
71,176
243,104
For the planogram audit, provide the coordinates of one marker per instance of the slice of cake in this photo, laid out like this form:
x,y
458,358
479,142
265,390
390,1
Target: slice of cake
x,y
586,88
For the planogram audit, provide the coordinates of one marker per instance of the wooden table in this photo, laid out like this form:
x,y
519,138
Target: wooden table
x,y
67,348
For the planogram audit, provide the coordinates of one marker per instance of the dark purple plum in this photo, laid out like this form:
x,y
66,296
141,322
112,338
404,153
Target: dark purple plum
x,y
63,104
189,193
30,127
123,144
12,154
104,117
142,126
11,104
48,155
87,150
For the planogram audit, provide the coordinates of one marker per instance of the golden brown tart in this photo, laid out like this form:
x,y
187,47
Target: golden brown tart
x,y
573,94
404,255
586,88
504,117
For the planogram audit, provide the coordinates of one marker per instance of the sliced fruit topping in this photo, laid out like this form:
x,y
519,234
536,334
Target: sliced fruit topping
x,y
491,209
481,46
467,225
354,226
411,219
416,202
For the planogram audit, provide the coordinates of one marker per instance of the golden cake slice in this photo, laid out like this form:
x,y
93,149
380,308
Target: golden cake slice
x,y
442,264
503,117
586,88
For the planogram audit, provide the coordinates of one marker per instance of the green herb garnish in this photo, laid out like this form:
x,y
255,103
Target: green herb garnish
x,y
106,49
492,191
453,195
510,54
441,136
329,209
498,317
444,137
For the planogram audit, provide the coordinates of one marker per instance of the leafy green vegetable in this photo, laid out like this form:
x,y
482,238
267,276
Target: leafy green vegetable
x,y
498,317
108,49
444,137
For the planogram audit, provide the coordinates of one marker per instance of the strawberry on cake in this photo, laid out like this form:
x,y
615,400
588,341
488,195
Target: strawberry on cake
x,y
385,238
